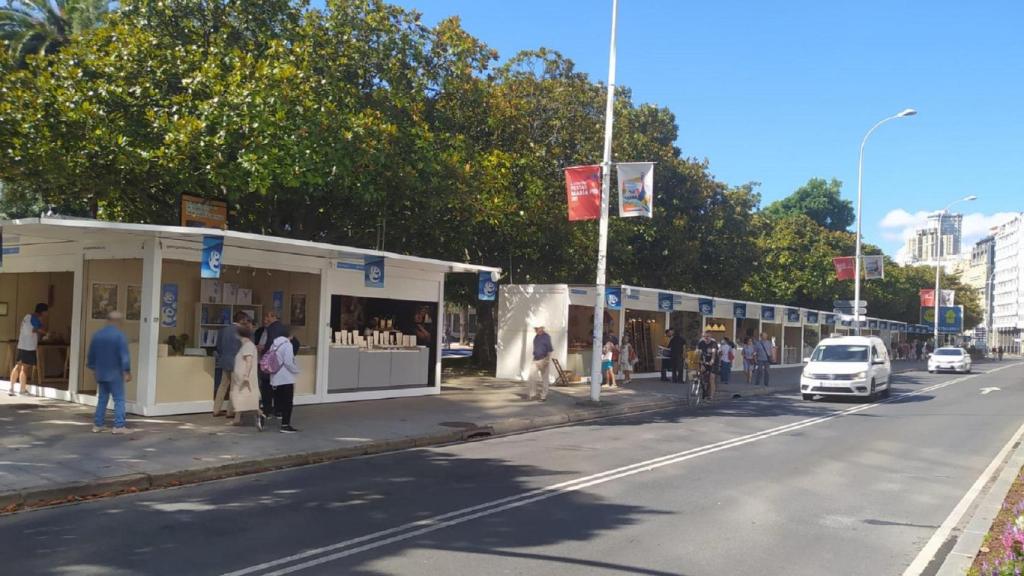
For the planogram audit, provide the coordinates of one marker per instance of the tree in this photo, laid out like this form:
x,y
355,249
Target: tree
x,y
40,27
820,201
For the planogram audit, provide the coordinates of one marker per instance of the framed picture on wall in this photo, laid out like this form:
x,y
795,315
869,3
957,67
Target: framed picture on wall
x,y
133,308
104,300
298,316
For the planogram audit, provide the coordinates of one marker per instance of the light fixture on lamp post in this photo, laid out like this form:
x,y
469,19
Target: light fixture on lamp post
x,y
860,177
937,297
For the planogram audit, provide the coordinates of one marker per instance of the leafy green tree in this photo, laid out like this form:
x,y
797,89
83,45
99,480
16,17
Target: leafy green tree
x,y
820,201
40,27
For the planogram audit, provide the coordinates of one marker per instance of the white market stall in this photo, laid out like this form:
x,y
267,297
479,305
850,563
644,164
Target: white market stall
x,y
360,340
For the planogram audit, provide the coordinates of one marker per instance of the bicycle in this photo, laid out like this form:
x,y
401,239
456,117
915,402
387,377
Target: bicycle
x,y
700,382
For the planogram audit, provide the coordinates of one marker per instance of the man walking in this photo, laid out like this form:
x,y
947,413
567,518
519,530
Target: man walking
x,y
228,344
542,350
25,359
108,358
764,353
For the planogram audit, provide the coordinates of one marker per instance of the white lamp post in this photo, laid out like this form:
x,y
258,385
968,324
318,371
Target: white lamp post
x,y
938,260
860,178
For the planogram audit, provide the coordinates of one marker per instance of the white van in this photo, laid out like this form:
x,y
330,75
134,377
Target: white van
x,y
847,366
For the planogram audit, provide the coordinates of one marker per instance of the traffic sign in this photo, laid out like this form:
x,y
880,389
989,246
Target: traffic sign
x,y
849,303
851,317
849,311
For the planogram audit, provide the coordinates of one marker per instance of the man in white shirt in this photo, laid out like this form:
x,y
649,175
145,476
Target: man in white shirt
x,y
28,343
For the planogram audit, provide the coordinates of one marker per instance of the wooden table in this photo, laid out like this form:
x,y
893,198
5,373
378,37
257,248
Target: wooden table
x,y
46,356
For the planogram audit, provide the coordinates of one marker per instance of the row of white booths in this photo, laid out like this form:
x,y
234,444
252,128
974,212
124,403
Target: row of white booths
x,y
567,313
360,340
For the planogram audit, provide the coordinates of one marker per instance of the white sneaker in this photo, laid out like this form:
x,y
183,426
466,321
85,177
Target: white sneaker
x,y
121,430
96,429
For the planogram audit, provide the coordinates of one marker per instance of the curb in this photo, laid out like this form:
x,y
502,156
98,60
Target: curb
x,y
966,544
138,482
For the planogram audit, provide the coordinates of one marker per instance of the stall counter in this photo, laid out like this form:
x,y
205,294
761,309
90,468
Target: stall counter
x,y
350,368
190,378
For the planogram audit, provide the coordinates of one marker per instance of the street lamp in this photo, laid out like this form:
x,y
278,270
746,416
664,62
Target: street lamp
x,y
936,297
860,177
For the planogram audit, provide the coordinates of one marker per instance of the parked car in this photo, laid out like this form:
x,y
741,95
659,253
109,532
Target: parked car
x,y
856,366
950,358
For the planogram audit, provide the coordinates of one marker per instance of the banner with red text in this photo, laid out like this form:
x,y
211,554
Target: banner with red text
x,y
583,192
844,267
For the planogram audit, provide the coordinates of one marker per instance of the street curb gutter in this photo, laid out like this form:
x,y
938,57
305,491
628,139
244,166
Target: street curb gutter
x,y
138,482
968,542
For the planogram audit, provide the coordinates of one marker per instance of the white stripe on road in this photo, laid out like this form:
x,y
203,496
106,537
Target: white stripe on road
x,y
339,550
924,558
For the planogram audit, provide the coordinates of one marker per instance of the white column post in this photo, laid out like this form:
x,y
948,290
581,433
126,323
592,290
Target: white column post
x,y
440,334
323,346
149,327
77,326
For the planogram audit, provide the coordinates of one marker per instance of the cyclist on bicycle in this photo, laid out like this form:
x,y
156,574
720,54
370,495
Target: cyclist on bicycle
x,y
707,348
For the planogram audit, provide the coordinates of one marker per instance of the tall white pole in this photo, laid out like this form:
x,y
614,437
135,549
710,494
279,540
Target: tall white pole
x,y
602,241
938,272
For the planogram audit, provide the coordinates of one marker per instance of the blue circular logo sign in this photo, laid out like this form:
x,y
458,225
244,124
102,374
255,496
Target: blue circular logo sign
x,y
490,288
376,273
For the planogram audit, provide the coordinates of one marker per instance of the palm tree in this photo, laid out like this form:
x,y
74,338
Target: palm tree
x,y
29,27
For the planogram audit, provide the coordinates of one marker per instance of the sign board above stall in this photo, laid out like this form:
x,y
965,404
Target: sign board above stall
x,y
199,212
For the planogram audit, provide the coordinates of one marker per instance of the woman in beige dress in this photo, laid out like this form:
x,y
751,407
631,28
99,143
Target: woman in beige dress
x,y
245,391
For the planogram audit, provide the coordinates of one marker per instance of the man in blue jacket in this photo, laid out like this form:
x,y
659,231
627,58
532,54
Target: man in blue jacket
x,y
109,360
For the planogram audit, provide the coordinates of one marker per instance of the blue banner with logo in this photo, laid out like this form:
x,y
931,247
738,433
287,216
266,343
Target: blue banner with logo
x,y
373,271
739,310
793,315
830,319
873,324
706,306
951,319
169,306
812,317
768,313
487,289
665,302
213,255
883,325
613,298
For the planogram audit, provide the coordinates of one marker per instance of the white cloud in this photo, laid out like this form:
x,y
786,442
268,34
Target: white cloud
x,y
899,225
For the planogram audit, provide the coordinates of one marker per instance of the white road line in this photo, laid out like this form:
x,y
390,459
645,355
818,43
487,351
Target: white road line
x,y
381,538
920,563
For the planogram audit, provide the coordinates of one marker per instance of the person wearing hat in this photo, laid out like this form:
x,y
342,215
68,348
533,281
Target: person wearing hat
x,y
542,350
109,360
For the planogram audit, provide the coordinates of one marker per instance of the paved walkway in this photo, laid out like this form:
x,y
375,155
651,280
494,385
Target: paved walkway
x,y
47,452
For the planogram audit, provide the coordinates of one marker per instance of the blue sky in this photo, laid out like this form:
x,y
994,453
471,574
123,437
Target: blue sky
x,y
782,91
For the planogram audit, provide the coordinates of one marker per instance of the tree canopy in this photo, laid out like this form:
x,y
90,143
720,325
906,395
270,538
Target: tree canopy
x,y
821,201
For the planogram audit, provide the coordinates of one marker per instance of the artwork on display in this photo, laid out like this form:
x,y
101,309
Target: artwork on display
x,y
213,255
487,288
373,272
636,189
298,316
169,306
104,300
874,268
133,303
278,302
583,192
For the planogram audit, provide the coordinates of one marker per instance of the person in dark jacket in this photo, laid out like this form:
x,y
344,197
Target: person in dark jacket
x,y
677,350
224,361
272,329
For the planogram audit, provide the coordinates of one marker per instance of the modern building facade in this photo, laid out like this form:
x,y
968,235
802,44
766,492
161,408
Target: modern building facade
x,y
929,243
1008,285
976,271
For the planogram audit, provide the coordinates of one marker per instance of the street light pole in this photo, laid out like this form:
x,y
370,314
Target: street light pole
x,y
602,241
936,298
860,178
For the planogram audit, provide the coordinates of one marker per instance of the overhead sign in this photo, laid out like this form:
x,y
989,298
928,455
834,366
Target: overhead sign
x,y
812,317
793,315
951,319
665,302
613,298
636,189
373,271
706,306
768,313
487,288
850,310
583,192
213,255
739,310
849,303
199,212
845,267
928,297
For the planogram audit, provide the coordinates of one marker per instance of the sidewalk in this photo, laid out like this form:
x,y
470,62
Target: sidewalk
x,y
48,455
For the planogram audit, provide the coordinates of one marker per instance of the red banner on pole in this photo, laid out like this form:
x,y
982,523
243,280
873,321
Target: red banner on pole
x,y
583,192
927,297
845,267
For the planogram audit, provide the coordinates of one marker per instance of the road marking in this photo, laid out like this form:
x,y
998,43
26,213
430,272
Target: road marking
x,y
988,389
345,548
924,558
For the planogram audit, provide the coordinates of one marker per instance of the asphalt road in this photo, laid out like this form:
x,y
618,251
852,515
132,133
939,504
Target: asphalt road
x,y
759,486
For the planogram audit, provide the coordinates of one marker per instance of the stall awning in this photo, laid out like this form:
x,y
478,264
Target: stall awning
x,y
60,229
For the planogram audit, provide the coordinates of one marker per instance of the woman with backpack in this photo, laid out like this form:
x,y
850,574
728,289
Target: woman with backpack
x,y
627,359
279,362
727,352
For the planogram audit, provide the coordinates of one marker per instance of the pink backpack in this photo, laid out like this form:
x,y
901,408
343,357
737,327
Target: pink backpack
x,y
270,363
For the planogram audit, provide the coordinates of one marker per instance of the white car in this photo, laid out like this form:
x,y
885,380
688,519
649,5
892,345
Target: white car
x,y
856,366
950,358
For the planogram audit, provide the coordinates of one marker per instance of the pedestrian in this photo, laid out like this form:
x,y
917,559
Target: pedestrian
x,y
245,385
919,350
764,351
25,359
542,350
627,359
1000,353
264,337
748,358
109,360
665,355
608,361
677,352
727,353
228,343
707,349
279,362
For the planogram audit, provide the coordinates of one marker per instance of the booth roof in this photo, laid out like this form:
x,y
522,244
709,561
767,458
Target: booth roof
x,y
79,229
